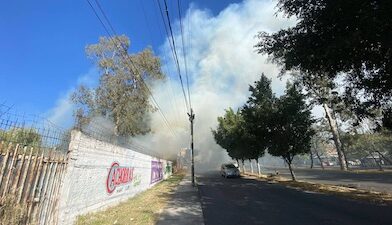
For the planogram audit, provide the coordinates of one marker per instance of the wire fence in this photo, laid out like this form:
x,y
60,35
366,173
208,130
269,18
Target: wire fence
x,y
104,131
32,131
46,137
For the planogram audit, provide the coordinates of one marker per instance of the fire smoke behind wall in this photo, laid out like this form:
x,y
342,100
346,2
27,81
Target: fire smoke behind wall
x,y
222,62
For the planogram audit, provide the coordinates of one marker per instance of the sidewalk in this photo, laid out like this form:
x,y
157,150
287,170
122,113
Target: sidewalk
x,y
184,207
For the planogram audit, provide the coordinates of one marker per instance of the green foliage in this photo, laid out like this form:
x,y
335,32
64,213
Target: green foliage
x,y
121,95
360,145
291,132
352,37
23,136
257,115
282,126
230,133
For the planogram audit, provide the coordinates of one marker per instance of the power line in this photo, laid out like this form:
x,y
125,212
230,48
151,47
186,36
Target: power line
x,y
175,50
168,72
170,43
184,52
127,56
173,47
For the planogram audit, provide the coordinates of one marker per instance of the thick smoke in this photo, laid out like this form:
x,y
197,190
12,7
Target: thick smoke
x,y
222,62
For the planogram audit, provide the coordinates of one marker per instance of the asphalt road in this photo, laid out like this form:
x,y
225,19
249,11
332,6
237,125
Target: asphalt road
x,y
241,201
366,180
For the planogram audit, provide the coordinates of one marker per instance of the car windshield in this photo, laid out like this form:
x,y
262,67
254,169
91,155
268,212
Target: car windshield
x,y
230,166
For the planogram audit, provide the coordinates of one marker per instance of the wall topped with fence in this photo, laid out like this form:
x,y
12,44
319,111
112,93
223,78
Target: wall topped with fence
x,y
49,175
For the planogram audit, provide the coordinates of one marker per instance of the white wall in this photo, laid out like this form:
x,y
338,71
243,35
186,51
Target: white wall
x,y
85,185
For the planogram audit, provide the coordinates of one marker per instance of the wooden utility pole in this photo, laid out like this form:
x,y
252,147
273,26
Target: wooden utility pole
x,y
191,118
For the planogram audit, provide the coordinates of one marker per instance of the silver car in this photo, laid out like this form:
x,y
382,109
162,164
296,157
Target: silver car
x,y
229,170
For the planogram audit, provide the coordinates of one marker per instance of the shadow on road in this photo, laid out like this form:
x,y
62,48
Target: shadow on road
x,y
248,201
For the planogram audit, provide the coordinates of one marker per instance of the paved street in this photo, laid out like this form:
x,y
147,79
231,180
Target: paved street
x,y
368,180
245,201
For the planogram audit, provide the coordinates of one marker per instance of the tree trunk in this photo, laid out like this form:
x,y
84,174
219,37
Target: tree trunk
x,y
311,159
345,157
251,166
258,167
385,158
336,138
238,165
291,170
243,166
319,158
378,163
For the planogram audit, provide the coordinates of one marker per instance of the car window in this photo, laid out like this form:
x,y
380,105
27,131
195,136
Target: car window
x,y
230,166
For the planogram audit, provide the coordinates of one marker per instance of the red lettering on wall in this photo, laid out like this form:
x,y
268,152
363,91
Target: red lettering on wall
x,y
117,176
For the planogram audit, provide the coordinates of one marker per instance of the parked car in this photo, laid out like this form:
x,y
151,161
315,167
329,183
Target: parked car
x,y
229,170
328,163
355,162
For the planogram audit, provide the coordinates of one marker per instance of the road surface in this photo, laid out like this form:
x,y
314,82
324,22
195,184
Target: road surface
x,y
246,201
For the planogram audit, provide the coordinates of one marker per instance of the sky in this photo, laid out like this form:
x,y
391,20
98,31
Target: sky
x,y
42,60
42,43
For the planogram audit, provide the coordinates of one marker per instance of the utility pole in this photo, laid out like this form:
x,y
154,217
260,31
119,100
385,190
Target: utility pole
x,y
191,118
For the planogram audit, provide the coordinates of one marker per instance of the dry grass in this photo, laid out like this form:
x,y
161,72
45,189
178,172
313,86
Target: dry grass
x,y
349,192
142,209
371,171
12,213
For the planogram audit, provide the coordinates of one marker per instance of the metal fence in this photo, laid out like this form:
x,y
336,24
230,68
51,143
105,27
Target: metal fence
x,y
103,130
32,163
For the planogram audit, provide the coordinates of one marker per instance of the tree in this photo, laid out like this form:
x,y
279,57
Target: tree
x,y
297,50
22,136
291,132
229,134
121,95
257,116
338,37
369,144
321,90
319,140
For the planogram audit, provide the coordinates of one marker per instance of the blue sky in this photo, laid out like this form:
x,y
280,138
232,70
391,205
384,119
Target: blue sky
x,y
42,43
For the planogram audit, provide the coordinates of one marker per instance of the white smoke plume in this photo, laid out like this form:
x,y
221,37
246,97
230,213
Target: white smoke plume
x,y
222,62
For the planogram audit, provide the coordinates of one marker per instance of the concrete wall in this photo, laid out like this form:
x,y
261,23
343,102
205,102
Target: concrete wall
x,y
100,174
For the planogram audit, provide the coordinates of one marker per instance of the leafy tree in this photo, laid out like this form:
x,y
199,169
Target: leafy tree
x,y
334,37
322,90
121,95
23,136
363,145
257,116
291,132
230,134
